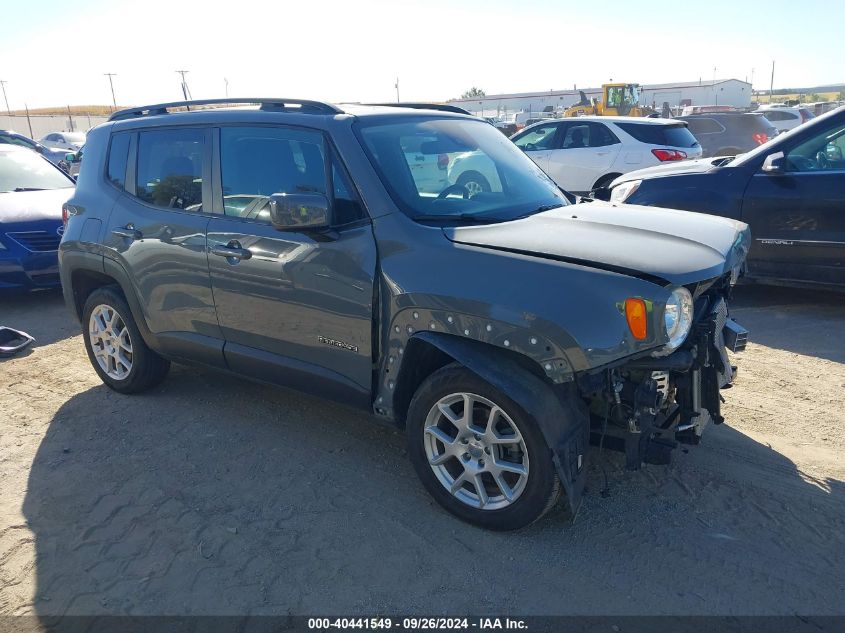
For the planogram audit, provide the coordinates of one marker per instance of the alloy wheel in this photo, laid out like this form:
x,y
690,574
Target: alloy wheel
x,y
476,451
110,342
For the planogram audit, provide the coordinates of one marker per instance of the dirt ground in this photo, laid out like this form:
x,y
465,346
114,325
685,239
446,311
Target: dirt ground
x,y
214,495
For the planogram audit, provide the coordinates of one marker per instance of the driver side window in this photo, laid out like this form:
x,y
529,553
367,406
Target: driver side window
x,y
538,138
822,151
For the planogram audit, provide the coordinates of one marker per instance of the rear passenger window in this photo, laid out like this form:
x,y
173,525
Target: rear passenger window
x,y
256,162
118,153
600,136
169,173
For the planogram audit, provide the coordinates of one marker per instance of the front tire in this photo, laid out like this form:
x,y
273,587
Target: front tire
x,y
115,347
474,183
478,453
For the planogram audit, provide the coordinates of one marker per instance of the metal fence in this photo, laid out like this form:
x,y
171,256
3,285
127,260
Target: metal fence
x,y
37,125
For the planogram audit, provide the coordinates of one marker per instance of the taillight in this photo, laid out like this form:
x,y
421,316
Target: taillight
x,y
760,137
442,161
664,155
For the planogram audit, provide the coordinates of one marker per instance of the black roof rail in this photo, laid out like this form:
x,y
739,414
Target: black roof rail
x,y
423,106
303,105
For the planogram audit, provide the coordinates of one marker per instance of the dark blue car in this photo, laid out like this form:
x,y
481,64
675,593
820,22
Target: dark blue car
x,y
32,192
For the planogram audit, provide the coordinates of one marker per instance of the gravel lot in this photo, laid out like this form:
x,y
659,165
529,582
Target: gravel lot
x,y
214,495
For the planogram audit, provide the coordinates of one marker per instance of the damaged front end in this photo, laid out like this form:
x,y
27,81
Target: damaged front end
x,y
651,404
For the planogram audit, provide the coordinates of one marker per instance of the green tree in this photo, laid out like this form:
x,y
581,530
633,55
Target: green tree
x,y
473,92
841,96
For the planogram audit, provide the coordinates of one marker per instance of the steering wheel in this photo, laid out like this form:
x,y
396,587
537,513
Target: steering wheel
x,y
822,160
802,163
454,189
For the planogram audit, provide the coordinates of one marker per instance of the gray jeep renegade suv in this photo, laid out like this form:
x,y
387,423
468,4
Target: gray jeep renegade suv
x,y
324,248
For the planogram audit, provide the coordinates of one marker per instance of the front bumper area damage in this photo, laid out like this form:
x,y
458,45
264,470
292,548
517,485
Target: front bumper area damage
x,y
651,405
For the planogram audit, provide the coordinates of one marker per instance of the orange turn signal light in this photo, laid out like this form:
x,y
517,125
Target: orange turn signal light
x,y
637,317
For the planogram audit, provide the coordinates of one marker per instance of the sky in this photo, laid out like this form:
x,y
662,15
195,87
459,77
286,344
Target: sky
x,y
54,52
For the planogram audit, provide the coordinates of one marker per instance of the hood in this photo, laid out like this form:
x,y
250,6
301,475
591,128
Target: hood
x,y
660,245
31,206
697,166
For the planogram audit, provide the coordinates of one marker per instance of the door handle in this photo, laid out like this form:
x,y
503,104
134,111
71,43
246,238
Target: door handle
x,y
128,231
232,250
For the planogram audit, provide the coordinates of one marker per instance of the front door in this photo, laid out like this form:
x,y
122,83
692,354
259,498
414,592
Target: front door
x,y
156,232
538,143
585,152
797,218
297,307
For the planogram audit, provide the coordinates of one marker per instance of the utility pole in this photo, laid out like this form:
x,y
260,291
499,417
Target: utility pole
x,y
185,90
772,83
226,81
28,122
111,85
3,83
396,85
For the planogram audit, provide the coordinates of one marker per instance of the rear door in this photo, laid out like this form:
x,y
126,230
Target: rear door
x,y
585,152
298,308
156,231
797,218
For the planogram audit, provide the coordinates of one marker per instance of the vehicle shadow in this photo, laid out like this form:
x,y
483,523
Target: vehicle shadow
x,y
54,322
809,322
211,495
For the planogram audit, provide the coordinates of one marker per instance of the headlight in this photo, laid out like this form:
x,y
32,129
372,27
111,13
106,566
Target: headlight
x,y
621,192
677,319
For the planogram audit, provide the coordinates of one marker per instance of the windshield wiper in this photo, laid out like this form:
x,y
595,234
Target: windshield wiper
x,y
29,189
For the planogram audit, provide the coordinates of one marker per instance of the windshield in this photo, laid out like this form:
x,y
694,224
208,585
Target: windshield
x,y
456,169
27,171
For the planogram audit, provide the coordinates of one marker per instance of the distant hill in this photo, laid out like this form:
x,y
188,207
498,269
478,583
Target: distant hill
x,y
94,110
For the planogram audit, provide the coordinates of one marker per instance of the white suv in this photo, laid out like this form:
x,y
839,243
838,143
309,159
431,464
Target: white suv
x,y
585,153
784,117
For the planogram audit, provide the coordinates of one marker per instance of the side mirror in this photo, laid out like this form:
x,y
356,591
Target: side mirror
x,y
774,164
298,211
70,157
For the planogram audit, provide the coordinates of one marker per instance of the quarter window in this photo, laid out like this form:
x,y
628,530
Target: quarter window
x,y
347,207
118,153
169,173
257,162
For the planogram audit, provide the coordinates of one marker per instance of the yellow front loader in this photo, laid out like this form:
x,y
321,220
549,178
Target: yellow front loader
x,y
617,100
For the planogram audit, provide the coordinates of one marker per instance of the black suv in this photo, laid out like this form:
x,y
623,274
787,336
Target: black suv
x,y
305,244
729,133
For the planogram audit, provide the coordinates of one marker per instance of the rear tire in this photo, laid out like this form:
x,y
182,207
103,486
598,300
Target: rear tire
x,y
114,344
491,468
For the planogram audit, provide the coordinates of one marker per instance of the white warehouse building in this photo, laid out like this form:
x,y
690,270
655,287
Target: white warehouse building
x,y
731,92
